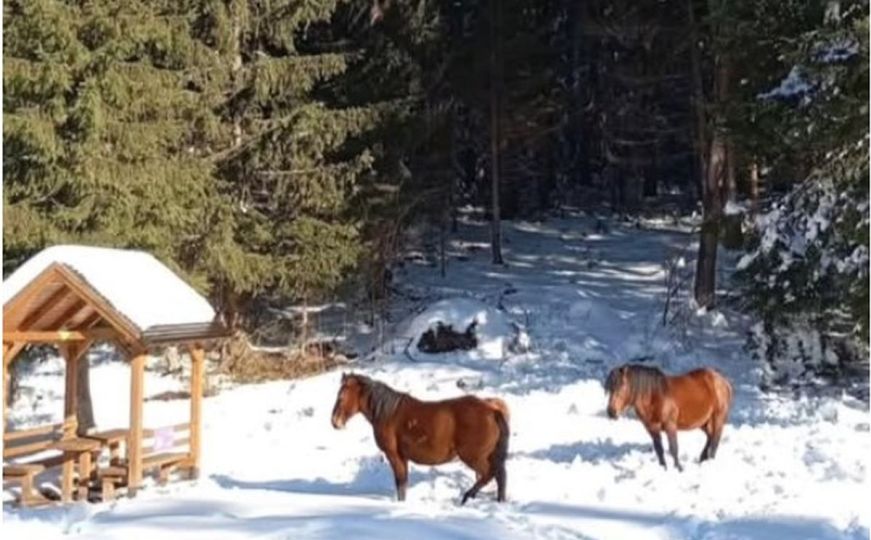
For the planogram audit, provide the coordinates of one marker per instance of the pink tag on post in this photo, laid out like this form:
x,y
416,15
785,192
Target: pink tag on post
x,y
163,438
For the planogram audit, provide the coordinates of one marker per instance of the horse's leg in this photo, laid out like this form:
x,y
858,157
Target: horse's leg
x,y
501,481
483,474
671,431
716,432
473,491
656,435
400,473
704,455
707,428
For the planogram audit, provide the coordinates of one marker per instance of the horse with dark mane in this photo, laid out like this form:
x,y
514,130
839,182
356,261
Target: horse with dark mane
x,y
698,399
429,432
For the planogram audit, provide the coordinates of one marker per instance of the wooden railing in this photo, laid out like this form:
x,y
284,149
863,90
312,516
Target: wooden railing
x,y
25,442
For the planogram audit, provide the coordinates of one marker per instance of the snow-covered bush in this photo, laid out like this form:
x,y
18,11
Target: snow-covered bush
x,y
805,274
807,277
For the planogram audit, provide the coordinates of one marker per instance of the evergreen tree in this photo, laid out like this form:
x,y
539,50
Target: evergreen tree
x,y
283,145
98,142
806,274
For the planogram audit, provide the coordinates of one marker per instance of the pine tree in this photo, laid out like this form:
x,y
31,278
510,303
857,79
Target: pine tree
x,y
97,136
284,150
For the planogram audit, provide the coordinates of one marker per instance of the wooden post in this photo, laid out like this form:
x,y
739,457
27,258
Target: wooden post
x,y
71,391
196,429
7,382
68,469
134,439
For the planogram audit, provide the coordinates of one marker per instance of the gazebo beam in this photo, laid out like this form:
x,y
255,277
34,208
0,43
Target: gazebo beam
x,y
90,321
60,336
70,312
198,357
43,308
13,351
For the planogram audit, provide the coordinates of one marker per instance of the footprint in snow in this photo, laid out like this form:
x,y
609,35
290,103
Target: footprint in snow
x,y
307,412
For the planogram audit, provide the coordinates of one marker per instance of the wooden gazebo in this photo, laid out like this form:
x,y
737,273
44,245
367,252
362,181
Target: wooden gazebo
x,y
74,296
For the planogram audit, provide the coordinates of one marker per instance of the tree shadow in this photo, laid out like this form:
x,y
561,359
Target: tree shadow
x,y
347,519
747,527
592,452
374,479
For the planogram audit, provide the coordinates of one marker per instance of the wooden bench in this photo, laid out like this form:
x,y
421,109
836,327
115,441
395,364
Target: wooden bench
x,y
164,450
20,445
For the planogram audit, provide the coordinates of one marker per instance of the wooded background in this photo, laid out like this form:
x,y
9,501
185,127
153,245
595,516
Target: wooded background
x,y
275,151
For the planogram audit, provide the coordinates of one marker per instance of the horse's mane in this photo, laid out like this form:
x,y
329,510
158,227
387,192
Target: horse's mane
x,y
383,400
643,380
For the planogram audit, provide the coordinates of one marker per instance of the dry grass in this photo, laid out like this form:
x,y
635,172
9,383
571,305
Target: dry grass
x,y
243,363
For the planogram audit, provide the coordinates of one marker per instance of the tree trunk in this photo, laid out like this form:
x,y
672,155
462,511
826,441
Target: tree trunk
x,y
443,259
697,101
236,70
495,128
84,406
576,130
712,199
731,183
754,187
706,264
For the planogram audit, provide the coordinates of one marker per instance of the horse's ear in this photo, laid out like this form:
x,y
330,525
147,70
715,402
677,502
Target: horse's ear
x,y
344,376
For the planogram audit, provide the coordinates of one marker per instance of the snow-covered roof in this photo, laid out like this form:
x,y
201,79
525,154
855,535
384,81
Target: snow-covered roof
x,y
134,283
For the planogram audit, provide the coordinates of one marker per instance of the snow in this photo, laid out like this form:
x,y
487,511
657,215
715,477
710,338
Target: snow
x,y
794,84
733,208
273,467
134,282
838,51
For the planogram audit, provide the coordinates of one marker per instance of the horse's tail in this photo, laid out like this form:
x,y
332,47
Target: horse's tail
x,y
500,453
729,394
499,406
723,388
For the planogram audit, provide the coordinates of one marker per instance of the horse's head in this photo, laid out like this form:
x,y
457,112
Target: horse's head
x,y
619,391
348,401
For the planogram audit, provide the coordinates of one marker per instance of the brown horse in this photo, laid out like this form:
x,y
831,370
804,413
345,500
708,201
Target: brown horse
x,y
429,432
698,399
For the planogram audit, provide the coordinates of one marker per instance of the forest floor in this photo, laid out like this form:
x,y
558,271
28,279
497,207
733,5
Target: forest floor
x,y
273,466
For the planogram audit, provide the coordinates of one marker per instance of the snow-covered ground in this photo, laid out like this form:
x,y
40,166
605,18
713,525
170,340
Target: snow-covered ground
x,y
273,467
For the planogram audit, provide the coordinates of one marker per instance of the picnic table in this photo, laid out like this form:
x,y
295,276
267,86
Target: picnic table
x,y
75,449
112,440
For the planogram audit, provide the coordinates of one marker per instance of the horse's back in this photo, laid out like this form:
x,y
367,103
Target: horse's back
x,y
475,413
700,394
717,383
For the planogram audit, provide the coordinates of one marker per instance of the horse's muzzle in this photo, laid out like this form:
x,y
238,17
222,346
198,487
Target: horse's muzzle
x,y
612,414
338,423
